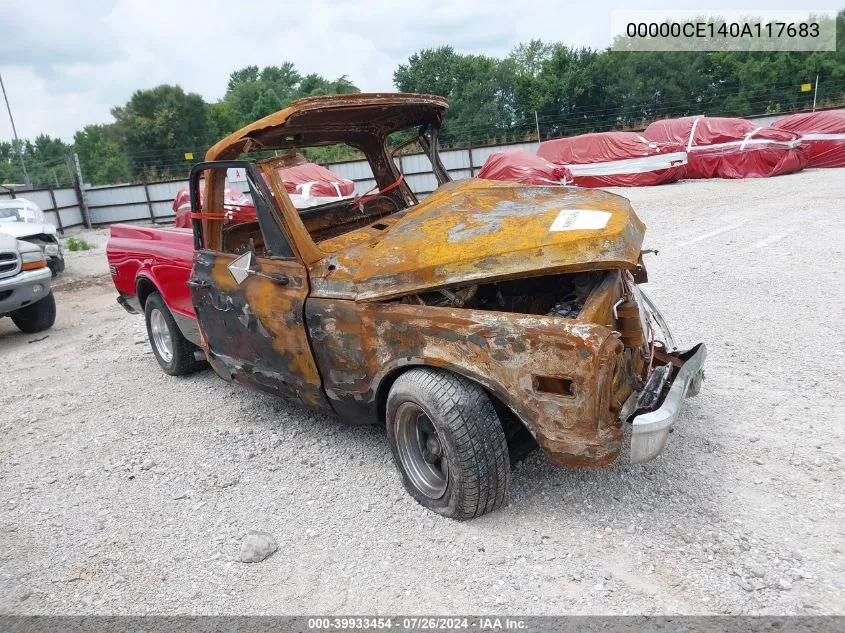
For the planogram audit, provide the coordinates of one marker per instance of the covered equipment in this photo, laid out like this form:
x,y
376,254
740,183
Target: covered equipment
x,y
822,134
616,159
720,147
518,165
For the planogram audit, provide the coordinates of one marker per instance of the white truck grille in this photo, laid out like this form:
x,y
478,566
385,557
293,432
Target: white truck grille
x,y
10,264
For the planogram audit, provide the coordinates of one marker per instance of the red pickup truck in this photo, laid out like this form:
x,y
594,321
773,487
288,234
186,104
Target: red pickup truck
x,y
487,319
146,260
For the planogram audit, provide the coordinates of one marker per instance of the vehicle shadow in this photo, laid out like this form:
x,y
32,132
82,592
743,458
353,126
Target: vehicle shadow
x,y
536,485
12,336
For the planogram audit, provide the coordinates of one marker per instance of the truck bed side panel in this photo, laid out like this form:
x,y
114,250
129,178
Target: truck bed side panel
x,y
163,255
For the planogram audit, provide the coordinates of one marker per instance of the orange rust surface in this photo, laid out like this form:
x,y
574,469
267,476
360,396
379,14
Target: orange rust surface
x,y
358,345
255,329
309,114
599,305
332,339
477,229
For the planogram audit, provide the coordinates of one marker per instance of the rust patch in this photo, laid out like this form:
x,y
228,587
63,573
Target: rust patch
x,y
255,331
358,345
511,238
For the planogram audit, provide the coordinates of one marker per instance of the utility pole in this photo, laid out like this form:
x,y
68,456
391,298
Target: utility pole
x,y
79,186
815,92
537,123
26,180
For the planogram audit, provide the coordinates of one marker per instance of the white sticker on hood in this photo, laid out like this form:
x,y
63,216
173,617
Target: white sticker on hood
x,y
580,220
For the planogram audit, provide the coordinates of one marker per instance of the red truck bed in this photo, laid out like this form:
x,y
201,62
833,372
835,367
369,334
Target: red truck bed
x,y
162,255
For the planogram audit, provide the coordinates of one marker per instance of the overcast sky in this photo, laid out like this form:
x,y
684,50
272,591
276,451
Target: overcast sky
x,y
65,64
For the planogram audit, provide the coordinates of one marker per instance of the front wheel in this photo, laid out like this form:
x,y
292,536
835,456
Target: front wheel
x,y
172,350
448,443
57,265
36,317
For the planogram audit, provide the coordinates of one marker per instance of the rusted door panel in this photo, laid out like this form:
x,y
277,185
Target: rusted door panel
x,y
254,331
358,344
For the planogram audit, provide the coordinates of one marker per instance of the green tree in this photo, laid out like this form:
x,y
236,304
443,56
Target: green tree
x,y
158,126
479,89
254,93
47,161
10,165
100,157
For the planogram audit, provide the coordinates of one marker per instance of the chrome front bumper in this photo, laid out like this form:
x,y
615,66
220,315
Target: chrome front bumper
x,y
24,288
651,429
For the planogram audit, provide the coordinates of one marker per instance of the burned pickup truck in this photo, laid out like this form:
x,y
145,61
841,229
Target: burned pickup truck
x,y
475,323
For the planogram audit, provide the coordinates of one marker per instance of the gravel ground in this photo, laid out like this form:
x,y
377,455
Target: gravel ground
x,y
123,490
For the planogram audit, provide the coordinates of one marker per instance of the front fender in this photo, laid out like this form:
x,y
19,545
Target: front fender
x,y
358,346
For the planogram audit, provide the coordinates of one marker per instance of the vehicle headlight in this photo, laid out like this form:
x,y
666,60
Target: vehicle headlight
x,y
30,260
51,249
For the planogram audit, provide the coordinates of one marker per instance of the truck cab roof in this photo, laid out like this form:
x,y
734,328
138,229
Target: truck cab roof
x,y
346,118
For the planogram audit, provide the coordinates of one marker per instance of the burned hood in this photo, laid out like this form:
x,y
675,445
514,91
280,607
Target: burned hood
x,y
474,230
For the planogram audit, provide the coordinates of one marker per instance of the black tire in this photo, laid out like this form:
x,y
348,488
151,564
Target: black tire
x,y
57,265
181,359
467,434
36,317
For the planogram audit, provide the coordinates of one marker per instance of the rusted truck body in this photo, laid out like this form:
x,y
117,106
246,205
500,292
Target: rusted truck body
x,y
473,323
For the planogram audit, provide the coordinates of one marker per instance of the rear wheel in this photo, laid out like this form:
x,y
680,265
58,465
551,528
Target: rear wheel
x,y
448,443
172,350
36,317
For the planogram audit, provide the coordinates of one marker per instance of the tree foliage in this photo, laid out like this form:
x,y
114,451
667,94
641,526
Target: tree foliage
x,y
46,162
158,126
576,90
100,155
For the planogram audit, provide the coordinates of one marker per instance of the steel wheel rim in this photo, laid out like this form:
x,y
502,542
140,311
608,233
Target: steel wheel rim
x,y
421,451
161,335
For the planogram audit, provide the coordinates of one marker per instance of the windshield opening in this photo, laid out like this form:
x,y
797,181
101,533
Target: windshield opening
x,y
344,189
21,212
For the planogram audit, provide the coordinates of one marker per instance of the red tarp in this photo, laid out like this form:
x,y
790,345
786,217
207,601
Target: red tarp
x,y
233,200
616,159
307,185
719,147
313,181
520,166
822,133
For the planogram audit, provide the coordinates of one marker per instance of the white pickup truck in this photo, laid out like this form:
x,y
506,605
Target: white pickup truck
x,y
25,293
26,221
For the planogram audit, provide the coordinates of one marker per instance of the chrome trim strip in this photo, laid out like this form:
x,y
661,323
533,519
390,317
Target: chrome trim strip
x,y
658,317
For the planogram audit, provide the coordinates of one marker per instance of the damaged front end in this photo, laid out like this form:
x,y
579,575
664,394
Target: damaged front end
x,y
573,356
672,376
668,375
655,376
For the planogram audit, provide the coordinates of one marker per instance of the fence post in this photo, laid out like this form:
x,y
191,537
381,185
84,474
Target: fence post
x,y
149,203
56,209
471,163
81,199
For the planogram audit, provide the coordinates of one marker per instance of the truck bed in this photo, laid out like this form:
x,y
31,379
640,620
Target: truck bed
x,y
162,255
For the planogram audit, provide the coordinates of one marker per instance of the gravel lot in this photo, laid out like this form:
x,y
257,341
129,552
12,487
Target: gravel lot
x,y
123,490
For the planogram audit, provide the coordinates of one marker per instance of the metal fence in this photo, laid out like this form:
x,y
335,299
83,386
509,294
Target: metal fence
x,y
152,202
459,163
130,203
